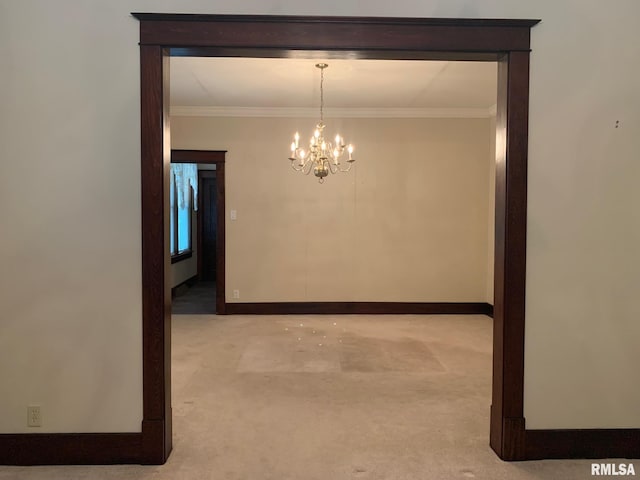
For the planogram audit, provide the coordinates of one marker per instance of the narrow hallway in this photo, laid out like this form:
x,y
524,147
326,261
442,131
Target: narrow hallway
x,y
198,299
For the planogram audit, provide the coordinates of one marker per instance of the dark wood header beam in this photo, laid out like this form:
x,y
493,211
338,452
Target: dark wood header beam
x,y
198,156
336,33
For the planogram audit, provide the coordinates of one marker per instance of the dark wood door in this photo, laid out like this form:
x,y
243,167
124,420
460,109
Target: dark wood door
x,y
209,227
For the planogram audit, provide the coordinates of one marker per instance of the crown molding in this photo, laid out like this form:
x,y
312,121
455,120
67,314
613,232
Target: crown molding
x,y
298,112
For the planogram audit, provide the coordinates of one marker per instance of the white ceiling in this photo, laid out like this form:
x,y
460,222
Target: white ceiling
x,y
272,85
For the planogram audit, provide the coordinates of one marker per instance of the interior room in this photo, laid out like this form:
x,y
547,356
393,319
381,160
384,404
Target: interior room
x,y
412,223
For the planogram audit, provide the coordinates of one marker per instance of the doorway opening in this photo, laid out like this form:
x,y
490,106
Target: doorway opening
x,y
198,284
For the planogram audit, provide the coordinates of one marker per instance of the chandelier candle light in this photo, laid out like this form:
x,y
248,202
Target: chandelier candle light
x,y
322,157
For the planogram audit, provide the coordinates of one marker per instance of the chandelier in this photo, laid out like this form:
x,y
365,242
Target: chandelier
x,y
322,156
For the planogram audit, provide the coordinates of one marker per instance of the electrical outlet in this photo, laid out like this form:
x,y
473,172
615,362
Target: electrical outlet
x,y
236,294
233,215
34,416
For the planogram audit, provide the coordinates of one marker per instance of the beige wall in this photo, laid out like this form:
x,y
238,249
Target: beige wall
x,y
408,223
70,287
70,323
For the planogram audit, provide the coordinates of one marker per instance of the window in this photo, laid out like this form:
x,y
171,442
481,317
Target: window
x,y
182,198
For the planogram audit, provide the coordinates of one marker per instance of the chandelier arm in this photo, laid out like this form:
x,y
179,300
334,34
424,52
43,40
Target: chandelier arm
x,y
333,168
293,165
344,170
309,164
295,160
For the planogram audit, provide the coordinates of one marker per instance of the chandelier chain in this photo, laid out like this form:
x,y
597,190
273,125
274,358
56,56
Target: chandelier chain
x,y
321,95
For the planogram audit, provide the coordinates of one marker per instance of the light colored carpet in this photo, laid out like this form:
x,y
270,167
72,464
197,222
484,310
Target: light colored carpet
x,y
328,398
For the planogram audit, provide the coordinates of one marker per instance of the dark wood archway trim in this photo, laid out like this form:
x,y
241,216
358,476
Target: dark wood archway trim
x,y
217,158
506,41
156,258
362,34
